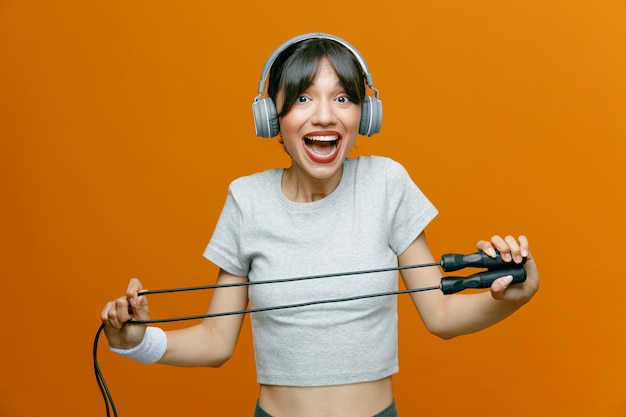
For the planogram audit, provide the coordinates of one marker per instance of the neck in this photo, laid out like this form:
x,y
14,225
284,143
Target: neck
x,y
300,187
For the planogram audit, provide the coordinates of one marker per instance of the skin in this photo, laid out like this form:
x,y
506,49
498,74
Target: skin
x,y
322,112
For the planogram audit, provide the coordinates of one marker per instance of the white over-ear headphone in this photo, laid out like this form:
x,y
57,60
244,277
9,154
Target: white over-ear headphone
x,y
264,108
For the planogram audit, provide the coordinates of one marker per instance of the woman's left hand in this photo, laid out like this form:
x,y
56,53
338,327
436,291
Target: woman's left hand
x,y
514,251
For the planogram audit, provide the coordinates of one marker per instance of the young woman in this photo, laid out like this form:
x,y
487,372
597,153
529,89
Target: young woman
x,y
324,214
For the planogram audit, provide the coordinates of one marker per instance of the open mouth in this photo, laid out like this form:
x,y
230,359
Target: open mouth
x,y
323,148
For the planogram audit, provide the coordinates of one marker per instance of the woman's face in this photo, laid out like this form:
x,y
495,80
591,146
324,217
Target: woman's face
x,y
322,125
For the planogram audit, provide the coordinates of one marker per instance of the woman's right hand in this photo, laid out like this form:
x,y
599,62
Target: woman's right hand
x,y
117,313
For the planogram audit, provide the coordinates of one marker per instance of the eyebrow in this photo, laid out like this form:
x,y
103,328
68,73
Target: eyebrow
x,y
337,84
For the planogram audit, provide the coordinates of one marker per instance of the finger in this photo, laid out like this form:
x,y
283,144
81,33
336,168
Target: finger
x,y
104,314
133,290
500,285
122,311
514,249
523,242
140,309
486,247
501,245
109,315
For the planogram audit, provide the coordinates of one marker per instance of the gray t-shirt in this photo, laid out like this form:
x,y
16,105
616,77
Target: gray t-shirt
x,y
372,216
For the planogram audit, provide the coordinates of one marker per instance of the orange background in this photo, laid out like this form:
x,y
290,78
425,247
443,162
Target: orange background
x,y
122,123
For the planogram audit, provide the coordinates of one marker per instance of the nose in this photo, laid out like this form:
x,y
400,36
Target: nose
x,y
324,113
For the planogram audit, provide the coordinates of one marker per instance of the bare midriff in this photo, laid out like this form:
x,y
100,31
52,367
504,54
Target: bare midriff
x,y
351,400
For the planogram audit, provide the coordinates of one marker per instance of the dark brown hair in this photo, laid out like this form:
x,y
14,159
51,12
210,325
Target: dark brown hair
x,y
295,68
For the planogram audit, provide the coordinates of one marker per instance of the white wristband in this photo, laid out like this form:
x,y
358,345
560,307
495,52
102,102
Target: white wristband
x,y
150,350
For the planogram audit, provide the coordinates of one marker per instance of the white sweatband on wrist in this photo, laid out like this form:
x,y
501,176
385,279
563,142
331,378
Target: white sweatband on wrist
x,y
150,350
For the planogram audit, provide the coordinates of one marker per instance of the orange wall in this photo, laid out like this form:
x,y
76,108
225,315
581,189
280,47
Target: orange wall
x,y
122,123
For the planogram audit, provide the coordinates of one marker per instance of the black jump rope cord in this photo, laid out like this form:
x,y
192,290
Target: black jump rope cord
x,y
449,263
104,389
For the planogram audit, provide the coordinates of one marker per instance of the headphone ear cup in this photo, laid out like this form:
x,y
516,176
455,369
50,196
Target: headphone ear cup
x,y
371,116
265,118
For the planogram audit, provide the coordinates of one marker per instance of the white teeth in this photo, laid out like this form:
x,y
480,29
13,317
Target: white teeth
x,y
328,138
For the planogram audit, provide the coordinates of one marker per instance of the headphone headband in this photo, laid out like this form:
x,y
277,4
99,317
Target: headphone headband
x,y
314,35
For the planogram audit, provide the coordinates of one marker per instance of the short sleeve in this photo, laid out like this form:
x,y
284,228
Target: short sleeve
x,y
225,247
410,209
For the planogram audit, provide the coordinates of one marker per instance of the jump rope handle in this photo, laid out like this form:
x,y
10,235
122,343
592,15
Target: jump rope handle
x,y
454,261
451,285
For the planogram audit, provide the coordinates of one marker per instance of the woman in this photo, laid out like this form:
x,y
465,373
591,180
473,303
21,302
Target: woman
x,y
324,214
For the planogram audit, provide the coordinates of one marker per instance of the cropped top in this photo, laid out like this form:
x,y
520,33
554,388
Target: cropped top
x,y
372,216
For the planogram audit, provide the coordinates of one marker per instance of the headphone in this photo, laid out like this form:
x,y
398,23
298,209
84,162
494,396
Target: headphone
x,y
264,108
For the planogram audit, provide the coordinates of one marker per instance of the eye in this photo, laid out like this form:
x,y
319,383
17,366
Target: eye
x,y
343,99
302,99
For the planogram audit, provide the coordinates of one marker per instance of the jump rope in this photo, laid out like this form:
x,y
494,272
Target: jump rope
x,y
496,268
